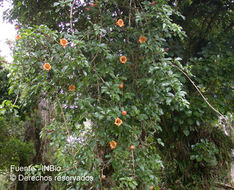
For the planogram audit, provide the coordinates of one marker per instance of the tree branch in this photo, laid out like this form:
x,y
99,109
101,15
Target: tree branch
x,y
225,186
71,13
204,98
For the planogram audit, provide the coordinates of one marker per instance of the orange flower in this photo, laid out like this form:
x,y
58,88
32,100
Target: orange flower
x,y
18,37
17,27
71,87
120,23
121,85
113,144
132,147
46,66
123,59
124,113
142,39
92,5
153,3
63,42
118,122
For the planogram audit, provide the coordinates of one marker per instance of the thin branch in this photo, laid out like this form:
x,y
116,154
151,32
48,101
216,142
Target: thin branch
x,y
71,13
199,91
130,10
16,99
99,76
101,23
93,58
225,186
95,69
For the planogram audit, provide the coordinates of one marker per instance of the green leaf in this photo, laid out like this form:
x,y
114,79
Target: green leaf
x,y
186,132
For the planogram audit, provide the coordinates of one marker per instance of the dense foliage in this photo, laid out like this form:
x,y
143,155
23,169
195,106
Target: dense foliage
x,y
116,82
14,150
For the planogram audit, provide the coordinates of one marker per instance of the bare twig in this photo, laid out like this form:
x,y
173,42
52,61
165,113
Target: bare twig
x,y
130,10
71,14
225,186
99,76
95,69
101,23
93,58
204,98
16,99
